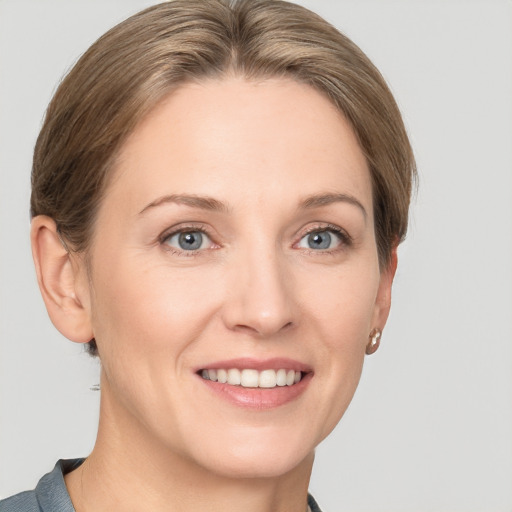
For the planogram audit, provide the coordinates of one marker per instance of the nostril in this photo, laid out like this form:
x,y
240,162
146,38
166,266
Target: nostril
x,y
262,329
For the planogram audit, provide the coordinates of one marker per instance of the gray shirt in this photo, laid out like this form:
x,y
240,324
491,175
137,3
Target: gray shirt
x,y
51,495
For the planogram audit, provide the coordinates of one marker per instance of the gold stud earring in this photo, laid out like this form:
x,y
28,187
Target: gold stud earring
x,y
374,342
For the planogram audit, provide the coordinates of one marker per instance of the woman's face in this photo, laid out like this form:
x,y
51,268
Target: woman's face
x,y
237,234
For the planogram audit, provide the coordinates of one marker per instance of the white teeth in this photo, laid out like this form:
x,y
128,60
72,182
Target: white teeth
x,y
281,377
250,378
234,377
267,379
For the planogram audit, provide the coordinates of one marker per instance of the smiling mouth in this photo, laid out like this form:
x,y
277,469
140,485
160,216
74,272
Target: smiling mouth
x,y
250,378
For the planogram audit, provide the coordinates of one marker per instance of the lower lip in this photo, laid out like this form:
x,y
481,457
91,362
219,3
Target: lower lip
x,y
259,398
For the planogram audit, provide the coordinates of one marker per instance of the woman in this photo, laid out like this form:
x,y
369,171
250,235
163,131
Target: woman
x,y
218,194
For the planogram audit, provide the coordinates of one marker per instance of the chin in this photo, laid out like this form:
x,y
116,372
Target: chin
x,y
265,455
259,466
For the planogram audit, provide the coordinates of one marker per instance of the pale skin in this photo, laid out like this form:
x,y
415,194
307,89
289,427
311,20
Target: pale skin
x,y
276,162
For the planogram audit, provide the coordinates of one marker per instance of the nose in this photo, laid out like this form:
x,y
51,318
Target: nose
x,y
260,298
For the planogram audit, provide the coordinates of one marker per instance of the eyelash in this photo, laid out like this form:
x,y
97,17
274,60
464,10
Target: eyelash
x,y
183,229
345,239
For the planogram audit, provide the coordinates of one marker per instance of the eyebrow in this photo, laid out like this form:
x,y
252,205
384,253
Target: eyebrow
x,y
201,202
319,200
211,204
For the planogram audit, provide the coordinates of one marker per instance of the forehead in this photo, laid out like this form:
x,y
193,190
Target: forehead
x,y
260,139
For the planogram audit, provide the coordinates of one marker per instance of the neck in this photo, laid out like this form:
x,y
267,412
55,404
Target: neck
x,y
128,471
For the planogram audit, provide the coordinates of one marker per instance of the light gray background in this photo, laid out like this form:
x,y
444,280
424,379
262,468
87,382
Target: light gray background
x,y
430,428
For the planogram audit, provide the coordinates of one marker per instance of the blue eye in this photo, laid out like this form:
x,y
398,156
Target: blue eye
x,y
189,240
320,240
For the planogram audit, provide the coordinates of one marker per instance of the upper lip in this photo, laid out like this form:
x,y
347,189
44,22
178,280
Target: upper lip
x,y
242,363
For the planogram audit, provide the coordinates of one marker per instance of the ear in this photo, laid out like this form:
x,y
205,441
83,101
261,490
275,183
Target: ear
x,y
383,300
62,280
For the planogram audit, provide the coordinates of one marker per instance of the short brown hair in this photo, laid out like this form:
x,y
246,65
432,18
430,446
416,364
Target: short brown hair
x,y
124,75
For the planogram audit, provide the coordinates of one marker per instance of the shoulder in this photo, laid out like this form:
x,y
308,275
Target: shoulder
x,y
50,494
23,502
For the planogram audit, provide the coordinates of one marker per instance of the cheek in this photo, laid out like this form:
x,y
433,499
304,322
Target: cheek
x,y
343,304
341,312
146,326
139,311
150,308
